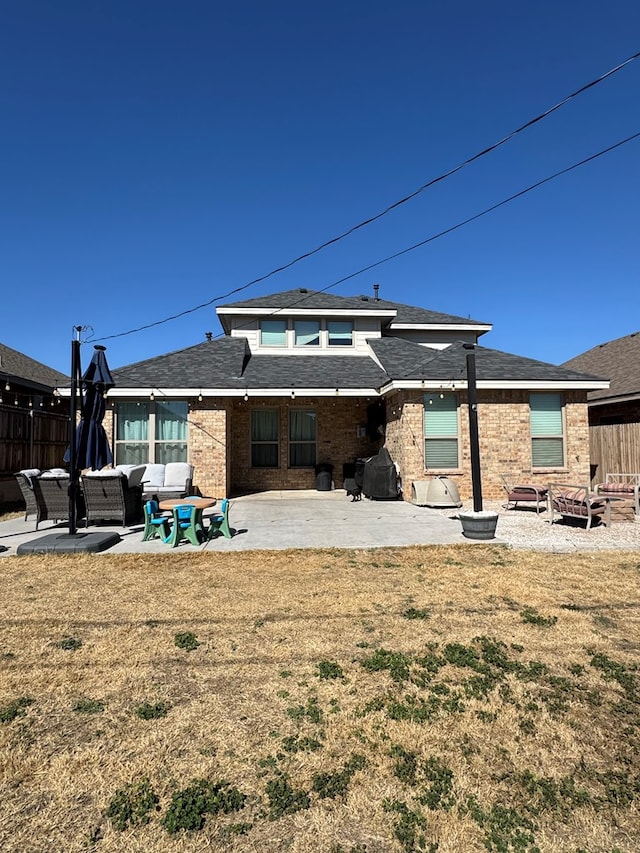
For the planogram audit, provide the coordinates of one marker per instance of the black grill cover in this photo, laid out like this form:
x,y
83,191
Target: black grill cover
x,y
380,479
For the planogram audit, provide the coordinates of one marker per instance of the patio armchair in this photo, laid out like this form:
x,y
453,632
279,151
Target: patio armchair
x,y
523,493
51,492
108,497
24,479
571,501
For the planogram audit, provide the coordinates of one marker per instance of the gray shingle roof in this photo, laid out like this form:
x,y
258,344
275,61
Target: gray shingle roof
x,y
403,360
618,361
308,371
316,300
217,363
228,364
20,368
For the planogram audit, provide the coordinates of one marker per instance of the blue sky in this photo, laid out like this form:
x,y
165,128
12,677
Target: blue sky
x,y
155,155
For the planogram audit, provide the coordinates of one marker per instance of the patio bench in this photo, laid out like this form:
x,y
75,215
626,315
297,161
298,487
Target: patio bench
x,y
621,486
569,500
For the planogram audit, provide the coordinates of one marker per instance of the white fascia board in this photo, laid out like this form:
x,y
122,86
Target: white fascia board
x,y
497,385
308,312
207,393
447,327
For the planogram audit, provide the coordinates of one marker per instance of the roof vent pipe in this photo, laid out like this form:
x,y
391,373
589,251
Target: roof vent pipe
x,y
208,335
376,289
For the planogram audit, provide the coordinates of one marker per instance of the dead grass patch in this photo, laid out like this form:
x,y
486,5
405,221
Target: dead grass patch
x,y
433,698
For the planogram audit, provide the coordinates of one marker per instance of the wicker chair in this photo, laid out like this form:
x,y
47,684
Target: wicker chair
x,y
52,497
108,497
24,479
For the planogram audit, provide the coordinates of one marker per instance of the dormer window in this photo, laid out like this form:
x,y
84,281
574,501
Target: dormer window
x,y
339,333
273,333
306,333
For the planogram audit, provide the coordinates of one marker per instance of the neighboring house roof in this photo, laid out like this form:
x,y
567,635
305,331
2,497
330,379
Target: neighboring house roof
x,y
315,300
226,364
618,361
19,368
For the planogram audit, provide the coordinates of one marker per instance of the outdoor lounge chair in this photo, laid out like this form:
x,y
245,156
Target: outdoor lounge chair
x,y
108,497
24,479
51,492
573,501
523,493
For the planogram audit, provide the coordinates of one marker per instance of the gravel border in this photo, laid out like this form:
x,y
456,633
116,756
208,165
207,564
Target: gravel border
x,y
523,529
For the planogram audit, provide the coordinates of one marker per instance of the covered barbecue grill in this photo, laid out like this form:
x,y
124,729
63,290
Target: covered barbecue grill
x,y
380,477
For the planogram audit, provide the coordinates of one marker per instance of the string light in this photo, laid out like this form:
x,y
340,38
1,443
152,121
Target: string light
x,y
152,396
200,396
246,396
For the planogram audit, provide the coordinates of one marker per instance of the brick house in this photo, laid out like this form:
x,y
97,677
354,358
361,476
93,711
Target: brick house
x,y
306,377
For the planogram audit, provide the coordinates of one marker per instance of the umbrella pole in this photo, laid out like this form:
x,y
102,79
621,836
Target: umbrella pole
x,y
73,451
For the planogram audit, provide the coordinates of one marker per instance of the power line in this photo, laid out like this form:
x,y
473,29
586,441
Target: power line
x,y
399,254
395,204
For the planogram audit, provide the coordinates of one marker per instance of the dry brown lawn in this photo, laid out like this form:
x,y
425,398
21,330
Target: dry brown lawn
x,y
434,698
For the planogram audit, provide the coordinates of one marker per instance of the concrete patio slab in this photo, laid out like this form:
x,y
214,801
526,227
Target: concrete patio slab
x,y
282,520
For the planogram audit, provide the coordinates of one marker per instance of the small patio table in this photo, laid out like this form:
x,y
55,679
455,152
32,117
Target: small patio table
x,y
195,531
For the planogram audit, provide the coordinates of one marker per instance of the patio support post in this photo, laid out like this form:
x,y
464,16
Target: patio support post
x,y
476,480
73,454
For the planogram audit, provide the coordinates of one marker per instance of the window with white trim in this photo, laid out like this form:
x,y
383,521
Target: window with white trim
x,y
440,423
273,333
339,333
306,333
151,431
547,430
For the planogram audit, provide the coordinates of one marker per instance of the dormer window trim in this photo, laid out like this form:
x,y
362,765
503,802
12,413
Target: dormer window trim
x,y
297,333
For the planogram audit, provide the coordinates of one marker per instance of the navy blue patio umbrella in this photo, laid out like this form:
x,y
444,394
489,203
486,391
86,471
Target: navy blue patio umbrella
x,y
89,445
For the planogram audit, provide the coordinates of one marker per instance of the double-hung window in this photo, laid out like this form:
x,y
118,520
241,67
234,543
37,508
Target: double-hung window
x,y
151,432
440,431
302,438
264,438
547,431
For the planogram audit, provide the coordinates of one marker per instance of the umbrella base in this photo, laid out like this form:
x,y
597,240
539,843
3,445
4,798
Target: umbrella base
x,y
68,543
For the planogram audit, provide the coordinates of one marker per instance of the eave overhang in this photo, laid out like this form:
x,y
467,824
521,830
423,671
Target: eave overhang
x,y
490,384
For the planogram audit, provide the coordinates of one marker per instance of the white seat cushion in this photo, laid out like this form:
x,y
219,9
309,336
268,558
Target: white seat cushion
x,y
177,474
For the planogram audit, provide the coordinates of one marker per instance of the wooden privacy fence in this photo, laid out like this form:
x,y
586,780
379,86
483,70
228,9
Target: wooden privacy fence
x,y
614,448
31,439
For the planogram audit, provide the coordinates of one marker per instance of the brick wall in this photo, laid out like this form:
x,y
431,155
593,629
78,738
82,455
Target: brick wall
x,y
337,442
220,447
505,445
208,444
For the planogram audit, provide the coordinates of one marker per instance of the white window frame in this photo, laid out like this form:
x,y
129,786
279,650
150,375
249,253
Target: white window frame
x,y
555,433
151,442
450,434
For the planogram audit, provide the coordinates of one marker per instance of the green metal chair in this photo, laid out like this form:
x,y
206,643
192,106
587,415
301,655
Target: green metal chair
x,y
220,523
156,523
